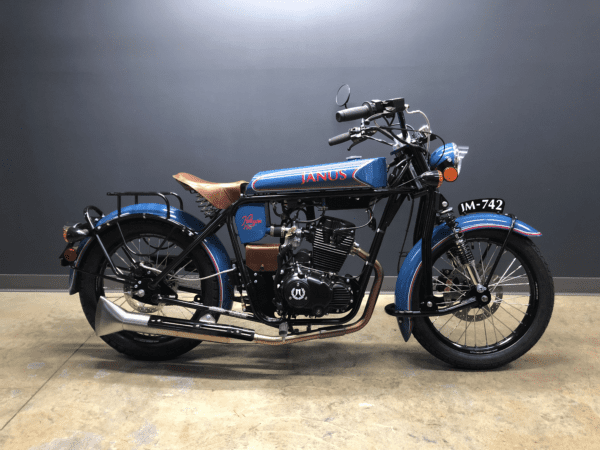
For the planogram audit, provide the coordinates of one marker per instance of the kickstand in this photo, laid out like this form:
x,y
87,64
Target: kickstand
x,y
283,330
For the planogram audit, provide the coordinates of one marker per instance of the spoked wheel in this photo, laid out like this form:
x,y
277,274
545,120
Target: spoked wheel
x,y
522,299
144,249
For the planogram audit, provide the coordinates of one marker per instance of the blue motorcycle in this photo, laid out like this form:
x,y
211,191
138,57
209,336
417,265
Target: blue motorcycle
x,y
154,280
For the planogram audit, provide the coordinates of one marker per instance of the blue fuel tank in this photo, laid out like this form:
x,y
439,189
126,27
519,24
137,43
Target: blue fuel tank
x,y
357,173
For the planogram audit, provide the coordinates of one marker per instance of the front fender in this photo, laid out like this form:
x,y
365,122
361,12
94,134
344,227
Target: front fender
x,y
212,245
413,262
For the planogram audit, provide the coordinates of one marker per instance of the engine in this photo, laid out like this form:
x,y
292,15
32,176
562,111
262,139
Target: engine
x,y
309,284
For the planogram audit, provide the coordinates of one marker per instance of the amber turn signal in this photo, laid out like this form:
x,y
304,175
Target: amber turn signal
x,y
440,177
450,174
65,229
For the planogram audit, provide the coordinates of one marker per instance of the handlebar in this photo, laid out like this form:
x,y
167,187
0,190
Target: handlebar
x,y
360,112
339,139
372,109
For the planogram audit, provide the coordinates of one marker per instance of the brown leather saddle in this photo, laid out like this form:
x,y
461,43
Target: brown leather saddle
x,y
220,195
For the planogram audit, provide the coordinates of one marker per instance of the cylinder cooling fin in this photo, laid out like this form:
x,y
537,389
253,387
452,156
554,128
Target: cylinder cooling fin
x,y
332,243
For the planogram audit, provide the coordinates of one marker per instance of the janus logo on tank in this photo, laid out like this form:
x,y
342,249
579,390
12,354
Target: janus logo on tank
x,y
249,222
332,175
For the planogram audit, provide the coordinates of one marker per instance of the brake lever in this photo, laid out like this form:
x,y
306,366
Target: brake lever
x,y
356,142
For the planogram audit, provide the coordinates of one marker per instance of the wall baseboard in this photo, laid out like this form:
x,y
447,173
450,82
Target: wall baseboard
x,y
30,282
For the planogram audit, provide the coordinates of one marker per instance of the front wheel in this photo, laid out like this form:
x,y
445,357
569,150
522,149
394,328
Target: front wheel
x,y
491,336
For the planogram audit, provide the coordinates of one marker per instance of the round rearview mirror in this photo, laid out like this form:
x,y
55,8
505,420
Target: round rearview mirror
x,y
343,95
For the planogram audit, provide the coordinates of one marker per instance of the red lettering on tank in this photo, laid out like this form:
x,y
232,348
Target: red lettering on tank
x,y
332,175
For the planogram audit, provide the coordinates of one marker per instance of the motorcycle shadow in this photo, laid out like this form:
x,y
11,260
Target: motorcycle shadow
x,y
243,362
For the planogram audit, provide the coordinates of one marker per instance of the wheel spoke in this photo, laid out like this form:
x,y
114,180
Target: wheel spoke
x,y
467,323
455,327
484,328
511,314
490,260
498,319
512,306
183,267
475,327
446,285
513,297
505,278
508,279
137,248
121,258
494,326
440,329
508,268
483,255
455,266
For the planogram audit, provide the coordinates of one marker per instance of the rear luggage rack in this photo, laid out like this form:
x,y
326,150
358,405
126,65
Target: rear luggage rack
x,y
162,195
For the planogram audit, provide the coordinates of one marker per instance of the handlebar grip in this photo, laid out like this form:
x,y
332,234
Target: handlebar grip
x,y
360,112
339,139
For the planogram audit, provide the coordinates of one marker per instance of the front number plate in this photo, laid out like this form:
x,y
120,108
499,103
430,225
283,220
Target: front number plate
x,y
482,205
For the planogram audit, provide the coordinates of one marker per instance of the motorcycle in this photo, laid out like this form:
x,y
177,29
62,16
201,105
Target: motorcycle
x,y
154,280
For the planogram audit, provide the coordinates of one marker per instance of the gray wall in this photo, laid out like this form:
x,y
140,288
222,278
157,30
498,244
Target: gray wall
x,y
100,96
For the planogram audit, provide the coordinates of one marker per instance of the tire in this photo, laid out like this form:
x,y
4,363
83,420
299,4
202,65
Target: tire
x,y
506,338
144,236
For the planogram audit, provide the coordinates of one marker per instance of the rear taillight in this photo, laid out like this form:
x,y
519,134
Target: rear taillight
x,y
70,254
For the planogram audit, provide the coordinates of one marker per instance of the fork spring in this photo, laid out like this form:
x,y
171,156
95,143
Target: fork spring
x,y
465,256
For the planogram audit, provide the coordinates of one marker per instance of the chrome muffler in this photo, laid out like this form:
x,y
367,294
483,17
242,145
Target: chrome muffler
x,y
111,318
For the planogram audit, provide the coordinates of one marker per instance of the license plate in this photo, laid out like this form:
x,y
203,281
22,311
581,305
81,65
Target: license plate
x,y
482,205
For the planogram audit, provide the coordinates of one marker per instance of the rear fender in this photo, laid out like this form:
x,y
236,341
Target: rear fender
x,y
212,245
413,262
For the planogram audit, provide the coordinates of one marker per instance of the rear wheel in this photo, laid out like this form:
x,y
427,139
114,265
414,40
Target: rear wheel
x,y
522,299
145,248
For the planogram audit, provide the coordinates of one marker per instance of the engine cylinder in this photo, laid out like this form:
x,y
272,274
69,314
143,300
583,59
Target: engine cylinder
x,y
332,244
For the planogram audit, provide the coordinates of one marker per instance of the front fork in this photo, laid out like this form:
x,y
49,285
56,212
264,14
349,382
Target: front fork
x,y
428,218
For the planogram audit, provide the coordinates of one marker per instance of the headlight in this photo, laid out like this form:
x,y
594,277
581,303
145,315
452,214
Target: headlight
x,y
448,159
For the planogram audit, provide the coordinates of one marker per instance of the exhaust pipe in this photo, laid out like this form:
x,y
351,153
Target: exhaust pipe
x,y
111,318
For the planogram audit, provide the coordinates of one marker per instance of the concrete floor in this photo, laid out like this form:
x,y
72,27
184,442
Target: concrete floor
x,y
61,387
